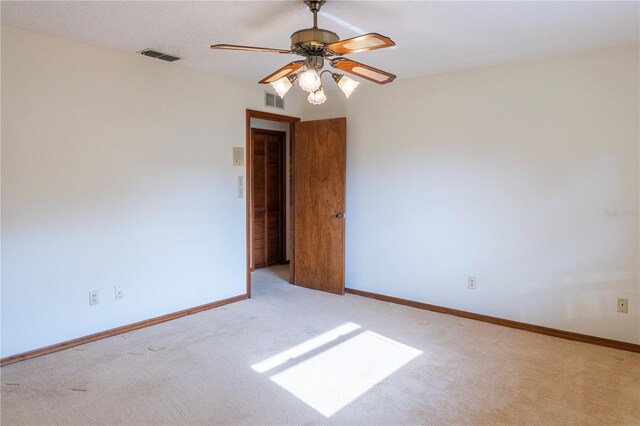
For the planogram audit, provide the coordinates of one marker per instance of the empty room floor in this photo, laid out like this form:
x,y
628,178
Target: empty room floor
x,y
290,355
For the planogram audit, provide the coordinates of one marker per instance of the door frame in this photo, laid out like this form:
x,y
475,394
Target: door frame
x,y
249,113
282,255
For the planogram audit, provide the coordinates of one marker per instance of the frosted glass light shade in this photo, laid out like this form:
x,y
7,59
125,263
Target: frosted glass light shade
x,y
347,85
282,86
310,80
318,97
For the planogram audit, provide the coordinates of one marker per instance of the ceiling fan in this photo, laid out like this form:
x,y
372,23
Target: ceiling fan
x,y
315,45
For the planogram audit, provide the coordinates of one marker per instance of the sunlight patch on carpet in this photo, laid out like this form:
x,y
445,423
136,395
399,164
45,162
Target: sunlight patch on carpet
x,y
305,347
334,378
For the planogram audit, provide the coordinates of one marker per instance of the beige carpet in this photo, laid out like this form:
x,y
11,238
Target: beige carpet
x,y
296,356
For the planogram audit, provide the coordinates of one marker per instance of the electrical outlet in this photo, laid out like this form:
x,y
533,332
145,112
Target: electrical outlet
x,y
93,297
623,306
472,283
119,291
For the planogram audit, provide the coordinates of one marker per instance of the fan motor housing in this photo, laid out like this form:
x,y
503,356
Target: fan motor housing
x,y
312,40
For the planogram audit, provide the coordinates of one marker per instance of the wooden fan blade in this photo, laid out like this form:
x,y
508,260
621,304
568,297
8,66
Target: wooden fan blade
x,y
361,43
282,72
247,48
362,70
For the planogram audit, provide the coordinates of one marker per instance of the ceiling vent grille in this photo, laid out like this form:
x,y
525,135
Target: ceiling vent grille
x,y
158,55
272,100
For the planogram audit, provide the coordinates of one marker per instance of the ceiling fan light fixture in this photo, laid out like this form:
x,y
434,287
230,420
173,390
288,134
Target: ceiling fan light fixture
x,y
317,45
310,81
283,85
318,97
345,84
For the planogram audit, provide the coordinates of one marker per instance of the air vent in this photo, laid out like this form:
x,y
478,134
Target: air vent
x,y
272,100
158,55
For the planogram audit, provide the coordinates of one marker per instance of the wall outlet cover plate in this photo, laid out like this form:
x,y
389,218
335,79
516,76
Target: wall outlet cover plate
x,y
93,298
472,283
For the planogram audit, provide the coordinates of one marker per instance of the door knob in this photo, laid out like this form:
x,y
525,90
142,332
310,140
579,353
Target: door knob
x,y
339,215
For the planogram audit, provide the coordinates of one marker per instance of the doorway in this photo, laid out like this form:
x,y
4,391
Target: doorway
x,y
315,199
272,123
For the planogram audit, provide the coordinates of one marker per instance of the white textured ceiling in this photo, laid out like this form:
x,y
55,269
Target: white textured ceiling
x,y
431,37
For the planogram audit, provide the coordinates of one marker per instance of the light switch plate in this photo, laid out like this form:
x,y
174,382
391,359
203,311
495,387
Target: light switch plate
x,y
240,186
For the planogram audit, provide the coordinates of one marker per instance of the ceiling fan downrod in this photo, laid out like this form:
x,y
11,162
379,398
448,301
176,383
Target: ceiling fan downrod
x,y
314,7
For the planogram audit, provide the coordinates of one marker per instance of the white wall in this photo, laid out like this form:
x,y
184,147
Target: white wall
x,y
116,170
504,173
258,123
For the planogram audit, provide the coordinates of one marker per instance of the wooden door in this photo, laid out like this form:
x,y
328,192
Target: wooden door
x,y
268,197
319,191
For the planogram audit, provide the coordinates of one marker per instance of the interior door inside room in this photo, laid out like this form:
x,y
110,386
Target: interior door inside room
x,y
268,198
319,200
